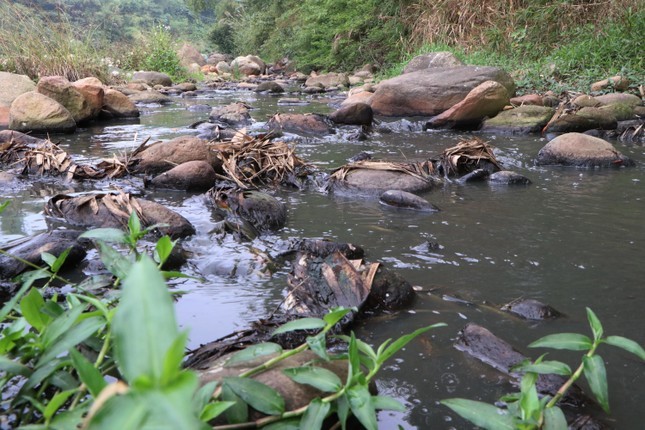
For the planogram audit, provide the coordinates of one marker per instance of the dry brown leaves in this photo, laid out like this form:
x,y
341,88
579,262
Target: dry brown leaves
x,y
250,161
466,156
120,205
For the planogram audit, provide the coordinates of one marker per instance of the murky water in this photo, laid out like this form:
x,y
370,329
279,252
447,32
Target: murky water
x,y
574,238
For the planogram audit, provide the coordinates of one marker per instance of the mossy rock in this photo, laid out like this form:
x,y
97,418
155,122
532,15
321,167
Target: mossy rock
x,y
521,120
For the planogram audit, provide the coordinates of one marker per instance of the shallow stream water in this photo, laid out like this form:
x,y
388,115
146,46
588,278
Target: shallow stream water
x,y
574,238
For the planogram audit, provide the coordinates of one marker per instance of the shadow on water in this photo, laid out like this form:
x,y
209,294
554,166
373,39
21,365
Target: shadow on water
x,y
573,238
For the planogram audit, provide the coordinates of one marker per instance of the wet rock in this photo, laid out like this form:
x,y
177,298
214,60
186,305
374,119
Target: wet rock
x,y
485,100
432,60
153,78
300,123
602,119
632,132
323,248
150,96
113,210
573,122
389,292
269,87
328,80
477,175
531,309
405,200
521,120
118,105
363,97
507,177
262,211
236,114
13,85
353,114
383,180
527,100
162,156
576,149
432,91
619,83
185,87
31,248
38,113
195,175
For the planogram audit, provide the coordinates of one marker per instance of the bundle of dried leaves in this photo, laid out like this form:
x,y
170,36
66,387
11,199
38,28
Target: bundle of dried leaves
x,y
467,156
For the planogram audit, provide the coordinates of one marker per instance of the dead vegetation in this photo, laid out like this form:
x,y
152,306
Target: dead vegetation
x,y
467,156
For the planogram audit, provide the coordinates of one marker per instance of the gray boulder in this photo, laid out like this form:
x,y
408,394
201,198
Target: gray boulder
x,y
150,96
35,112
269,87
507,177
60,89
235,114
405,200
328,80
299,123
153,78
383,180
520,120
431,91
581,150
13,85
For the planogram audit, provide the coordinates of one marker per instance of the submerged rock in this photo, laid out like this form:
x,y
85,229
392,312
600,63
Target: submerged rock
x,y
150,96
405,200
507,177
531,309
262,211
196,175
581,150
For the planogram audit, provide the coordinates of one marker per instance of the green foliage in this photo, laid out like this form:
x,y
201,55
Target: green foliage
x,y
525,410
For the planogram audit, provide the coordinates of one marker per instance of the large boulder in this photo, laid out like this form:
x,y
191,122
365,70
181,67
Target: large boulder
x,y
196,175
328,80
38,113
432,60
235,114
485,100
118,105
153,78
13,85
521,120
215,58
150,97
94,94
587,118
431,91
581,150
249,65
353,114
188,55
163,156
269,87
61,90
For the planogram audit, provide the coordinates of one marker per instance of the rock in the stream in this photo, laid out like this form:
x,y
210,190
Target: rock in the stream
x,y
153,78
31,248
371,177
508,177
581,150
118,105
196,175
531,309
60,89
269,87
35,112
13,85
150,96
300,123
235,114
405,200
328,80
323,248
113,210
249,65
262,211
353,114
162,156
524,119
389,292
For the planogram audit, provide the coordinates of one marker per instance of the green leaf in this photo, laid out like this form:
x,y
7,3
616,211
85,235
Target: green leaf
x,y
481,414
318,377
363,347
144,324
56,265
13,367
89,375
292,424
546,367
301,324
127,412
173,359
10,304
318,344
204,395
4,205
594,323
354,358
395,346
31,307
554,419
594,370
570,341
171,406
626,344
360,402
529,400
134,225
315,415
385,403
342,406
116,263
72,337
214,410
239,412
163,248
337,314
56,402
48,258
109,235
253,352
259,396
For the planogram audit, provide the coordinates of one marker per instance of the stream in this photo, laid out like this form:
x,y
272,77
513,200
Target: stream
x,y
573,239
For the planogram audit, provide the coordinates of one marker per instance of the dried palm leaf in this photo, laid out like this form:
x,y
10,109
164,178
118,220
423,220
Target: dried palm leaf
x,y
467,156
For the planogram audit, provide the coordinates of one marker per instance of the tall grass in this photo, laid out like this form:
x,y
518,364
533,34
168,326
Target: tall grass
x,y
36,46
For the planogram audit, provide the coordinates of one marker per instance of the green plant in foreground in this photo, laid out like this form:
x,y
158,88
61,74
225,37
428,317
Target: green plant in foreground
x,y
526,411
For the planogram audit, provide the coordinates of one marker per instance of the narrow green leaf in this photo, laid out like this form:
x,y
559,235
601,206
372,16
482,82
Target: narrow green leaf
x,y
48,258
214,410
98,304
163,248
41,373
56,402
481,414
127,412
395,346
10,304
318,344
72,337
529,400
144,324
171,406
292,424
173,359
554,419
59,261
117,264
204,395
4,205
301,324
385,403
253,352
89,375
109,235
353,357
259,396
318,377
336,314
570,341
13,367
134,225
342,409
60,325
239,412
546,367
626,344
363,347
594,370
31,307
360,402
594,323
315,415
